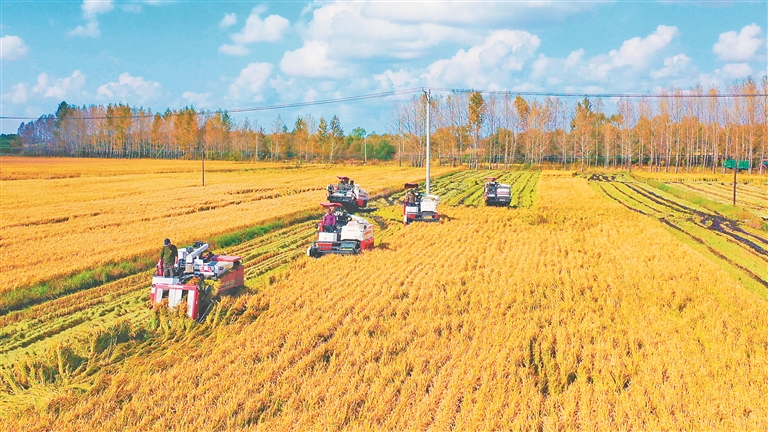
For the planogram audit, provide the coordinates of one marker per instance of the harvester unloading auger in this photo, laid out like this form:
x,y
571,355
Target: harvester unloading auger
x,y
348,194
346,234
495,193
193,268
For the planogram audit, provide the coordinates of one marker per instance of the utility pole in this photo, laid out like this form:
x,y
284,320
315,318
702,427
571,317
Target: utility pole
x,y
202,146
735,170
428,93
365,149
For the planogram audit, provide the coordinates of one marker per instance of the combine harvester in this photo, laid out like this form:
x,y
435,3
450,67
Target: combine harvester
x,y
351,234
496,194
193,269
418,207
348,194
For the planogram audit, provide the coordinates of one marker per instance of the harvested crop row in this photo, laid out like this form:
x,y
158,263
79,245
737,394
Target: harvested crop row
x,y
730,244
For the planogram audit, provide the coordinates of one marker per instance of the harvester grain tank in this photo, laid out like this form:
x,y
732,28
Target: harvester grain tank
x,y
495,193
419,207
196,264
348,194
349,236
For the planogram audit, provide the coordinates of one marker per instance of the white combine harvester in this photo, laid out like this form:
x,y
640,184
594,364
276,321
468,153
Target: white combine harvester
x,y
348,194
496,194
193,268
351,235
418,207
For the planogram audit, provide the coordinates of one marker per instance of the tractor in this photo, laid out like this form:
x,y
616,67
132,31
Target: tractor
x,y
350,234
495,193
197,264
418,207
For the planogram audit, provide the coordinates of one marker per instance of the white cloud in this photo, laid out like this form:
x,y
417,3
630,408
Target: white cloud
x,y
251,81
229,20
12,48
539,66
312,61
483,65
269,29
736,71
636,52
673,66
348,33
473,12
130,87
91,29
93,8
738,47
199,100
574,58
390,80
18,95
237,50
47,87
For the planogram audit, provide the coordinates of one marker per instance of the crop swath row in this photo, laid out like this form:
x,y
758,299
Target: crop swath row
x,y
740,249
466,187
752,196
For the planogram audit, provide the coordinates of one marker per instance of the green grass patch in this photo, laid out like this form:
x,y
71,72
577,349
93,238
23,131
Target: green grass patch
x,y
47,290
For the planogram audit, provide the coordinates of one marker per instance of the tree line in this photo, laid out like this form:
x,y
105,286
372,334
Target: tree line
x,y
672,130
121,131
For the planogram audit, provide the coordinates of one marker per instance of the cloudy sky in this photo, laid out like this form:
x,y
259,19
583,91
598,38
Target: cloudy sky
x,y
241,54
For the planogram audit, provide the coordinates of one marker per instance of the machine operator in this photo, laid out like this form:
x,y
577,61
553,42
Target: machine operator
x,y
410,196
168,256
329,220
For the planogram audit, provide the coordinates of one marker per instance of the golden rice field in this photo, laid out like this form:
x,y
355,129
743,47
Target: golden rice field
x,y
581,312
60,216
605,301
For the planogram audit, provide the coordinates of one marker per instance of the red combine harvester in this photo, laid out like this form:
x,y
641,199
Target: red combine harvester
x,y
348,194
418,207
188,282
495,193
351,234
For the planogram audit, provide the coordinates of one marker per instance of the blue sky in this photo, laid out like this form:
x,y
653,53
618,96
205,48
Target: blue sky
x,y
240,54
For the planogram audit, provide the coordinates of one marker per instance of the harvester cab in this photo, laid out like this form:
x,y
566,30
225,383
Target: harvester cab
x,y
495,193
350,234
197,264
348,194
418,207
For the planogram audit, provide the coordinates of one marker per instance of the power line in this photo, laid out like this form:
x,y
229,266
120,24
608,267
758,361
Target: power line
x,y
421,89
243,110
598,95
